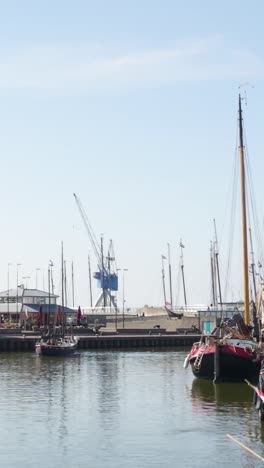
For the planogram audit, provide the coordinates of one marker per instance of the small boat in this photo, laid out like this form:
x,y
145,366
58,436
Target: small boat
x,y
57,346
54,342
231,352
171,312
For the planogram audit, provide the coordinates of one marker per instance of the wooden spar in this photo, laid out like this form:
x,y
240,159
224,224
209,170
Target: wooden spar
x,y
244,215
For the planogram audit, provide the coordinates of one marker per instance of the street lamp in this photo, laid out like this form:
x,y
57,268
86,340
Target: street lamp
x,y
17,265
26,278
123,309
8,265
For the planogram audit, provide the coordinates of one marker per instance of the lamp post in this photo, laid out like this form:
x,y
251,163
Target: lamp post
x,y
8,265
26,278
17,265
37,269
123,308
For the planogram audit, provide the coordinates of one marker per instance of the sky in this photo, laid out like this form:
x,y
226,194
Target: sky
x,y
133,106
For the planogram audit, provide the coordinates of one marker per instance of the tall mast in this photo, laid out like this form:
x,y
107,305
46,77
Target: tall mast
x,y
90,281
217,266
182,269
72,286
215,275
65,285
49,298
62,288
244,214
103,272
212,274
170,273
163,277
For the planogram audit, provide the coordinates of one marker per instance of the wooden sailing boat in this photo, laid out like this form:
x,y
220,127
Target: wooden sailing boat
x,y
230,353
54,342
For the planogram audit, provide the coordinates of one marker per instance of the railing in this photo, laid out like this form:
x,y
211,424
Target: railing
x,y
187,311
107,311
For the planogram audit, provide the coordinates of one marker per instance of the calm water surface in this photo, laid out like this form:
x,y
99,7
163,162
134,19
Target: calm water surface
x,y
121,409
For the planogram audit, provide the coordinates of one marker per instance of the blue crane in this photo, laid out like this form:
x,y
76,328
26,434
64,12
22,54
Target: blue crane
x,y
106,275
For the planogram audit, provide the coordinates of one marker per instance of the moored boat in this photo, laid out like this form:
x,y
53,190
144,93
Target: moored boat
x,y
231,353
54,342
231,358
57,346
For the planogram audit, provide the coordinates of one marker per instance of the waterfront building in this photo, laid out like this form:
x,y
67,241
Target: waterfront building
x,y
20,304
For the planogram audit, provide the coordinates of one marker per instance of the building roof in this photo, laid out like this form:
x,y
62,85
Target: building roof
x,y
32,308
23,292
52,308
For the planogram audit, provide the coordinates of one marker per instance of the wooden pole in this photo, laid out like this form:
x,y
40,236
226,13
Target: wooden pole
x,y
245,447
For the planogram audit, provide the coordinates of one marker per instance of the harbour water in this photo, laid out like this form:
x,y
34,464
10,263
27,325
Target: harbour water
x,y
121,409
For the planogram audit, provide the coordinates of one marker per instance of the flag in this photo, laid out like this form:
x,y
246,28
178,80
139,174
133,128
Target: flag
x,y
79,316
51,263
163,257
181,244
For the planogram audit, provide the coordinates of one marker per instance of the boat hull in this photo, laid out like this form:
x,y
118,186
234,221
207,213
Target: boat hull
x,y
55,351
233,365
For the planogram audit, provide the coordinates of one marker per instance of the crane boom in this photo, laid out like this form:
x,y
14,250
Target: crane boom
x,y
90,232
107,279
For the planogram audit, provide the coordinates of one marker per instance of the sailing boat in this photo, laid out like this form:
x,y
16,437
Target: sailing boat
x,y
230,353
54,342
168,305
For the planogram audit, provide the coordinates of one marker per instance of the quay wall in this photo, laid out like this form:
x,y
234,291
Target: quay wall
x,y
21,343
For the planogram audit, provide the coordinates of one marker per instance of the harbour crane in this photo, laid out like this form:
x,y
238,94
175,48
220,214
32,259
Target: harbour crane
x,y
106,275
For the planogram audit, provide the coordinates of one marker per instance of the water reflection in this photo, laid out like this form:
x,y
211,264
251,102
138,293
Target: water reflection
x,y
107,371
115,409
222,394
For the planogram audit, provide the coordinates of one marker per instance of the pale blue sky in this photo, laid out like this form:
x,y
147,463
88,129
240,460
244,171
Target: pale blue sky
x,y
133,106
